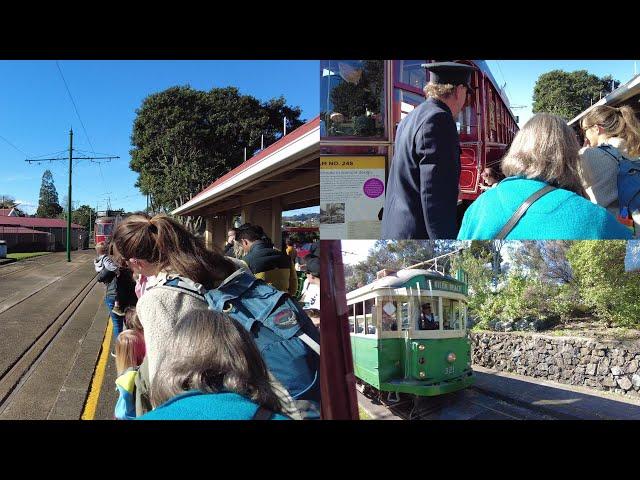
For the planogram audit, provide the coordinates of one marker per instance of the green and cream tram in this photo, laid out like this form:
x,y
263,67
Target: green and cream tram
x,y
409,332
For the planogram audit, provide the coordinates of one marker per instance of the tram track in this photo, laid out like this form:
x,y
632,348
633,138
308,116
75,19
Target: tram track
x,y
8,303
472,403
27,265
20,367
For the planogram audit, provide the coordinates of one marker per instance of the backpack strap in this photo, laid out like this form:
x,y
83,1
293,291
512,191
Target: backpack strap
x,y
515,218
262,413
310,342
607,149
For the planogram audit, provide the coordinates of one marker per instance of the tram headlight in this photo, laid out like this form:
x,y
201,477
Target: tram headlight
x,y
421,374
421,347
451,357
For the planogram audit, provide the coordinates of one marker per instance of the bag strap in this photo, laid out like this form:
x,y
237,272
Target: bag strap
x,y
515,218
310,342
606,149
262,413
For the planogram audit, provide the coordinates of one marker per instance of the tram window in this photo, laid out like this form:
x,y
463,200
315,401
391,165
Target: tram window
x,y
370,316
352,319
389,315
411,73
359,310
404,103
352,98
426,315
452,318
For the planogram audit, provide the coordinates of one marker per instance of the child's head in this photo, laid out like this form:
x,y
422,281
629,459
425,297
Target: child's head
x,y
101,248
131,319
211,352
130,350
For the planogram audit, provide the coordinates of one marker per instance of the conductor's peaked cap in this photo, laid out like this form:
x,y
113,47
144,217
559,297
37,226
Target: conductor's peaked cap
x,y
449,72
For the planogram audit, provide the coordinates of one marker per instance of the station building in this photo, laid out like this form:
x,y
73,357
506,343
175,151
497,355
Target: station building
x,y
28,234
284,176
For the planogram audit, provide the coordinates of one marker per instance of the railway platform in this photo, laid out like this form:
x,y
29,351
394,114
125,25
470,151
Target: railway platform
x,y
52,334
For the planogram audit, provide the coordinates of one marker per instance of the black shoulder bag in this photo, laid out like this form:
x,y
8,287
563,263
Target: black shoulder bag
x,y
515,218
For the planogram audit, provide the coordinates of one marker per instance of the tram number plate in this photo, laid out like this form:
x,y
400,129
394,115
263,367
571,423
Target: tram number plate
x,y
450,370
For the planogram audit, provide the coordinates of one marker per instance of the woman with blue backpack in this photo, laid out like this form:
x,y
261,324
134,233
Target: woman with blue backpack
x,y
188,277
612,140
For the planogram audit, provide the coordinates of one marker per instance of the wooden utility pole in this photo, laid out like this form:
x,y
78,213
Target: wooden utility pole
x,y
71,158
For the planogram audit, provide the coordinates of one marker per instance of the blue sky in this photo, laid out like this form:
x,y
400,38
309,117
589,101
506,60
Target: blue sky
x,y
521,76
36,115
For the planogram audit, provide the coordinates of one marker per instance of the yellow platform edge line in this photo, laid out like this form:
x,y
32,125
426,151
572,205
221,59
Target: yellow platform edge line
x,y
91,404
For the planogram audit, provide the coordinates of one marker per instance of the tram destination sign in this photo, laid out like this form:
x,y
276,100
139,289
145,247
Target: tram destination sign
x,y
425,283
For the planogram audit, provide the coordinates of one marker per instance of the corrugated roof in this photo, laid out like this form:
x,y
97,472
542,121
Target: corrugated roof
x,y
11,229
281,143
38,222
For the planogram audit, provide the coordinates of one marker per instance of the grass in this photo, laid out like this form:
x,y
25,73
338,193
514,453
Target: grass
x,y
22,256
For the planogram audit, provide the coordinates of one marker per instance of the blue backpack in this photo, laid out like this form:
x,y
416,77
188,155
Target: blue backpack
x,y
628,181
284,334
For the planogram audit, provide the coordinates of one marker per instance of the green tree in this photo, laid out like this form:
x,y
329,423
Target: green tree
x,y
604,286
84,215
568,93
48,206
184,139
7,201
545,260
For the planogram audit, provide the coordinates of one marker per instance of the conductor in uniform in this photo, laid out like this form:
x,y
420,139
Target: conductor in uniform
x,y
422,189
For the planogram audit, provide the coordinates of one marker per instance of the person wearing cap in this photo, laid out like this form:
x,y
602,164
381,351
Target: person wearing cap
x,y
422,189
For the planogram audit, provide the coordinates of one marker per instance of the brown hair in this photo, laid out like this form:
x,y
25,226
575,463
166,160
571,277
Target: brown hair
x,y
210,352
616,122
164,242
130,350
545,149
131,319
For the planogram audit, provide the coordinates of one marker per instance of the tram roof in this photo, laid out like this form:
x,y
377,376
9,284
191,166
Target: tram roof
x,y
398,280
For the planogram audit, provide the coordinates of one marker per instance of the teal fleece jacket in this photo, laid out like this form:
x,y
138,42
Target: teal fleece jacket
x,y
558,215
195,405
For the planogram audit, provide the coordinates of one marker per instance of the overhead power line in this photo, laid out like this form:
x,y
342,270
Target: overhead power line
x,y
104,185
19,149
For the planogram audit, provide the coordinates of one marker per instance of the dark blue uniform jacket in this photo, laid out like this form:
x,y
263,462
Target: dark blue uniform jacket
x,y
422,189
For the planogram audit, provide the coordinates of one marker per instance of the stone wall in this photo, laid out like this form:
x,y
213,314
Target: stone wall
x,y
607,365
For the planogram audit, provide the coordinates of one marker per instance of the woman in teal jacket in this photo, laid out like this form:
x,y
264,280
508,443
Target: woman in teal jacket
x,y
544,152
211,369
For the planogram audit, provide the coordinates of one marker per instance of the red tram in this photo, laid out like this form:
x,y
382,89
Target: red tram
x,y
105,224
363,101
